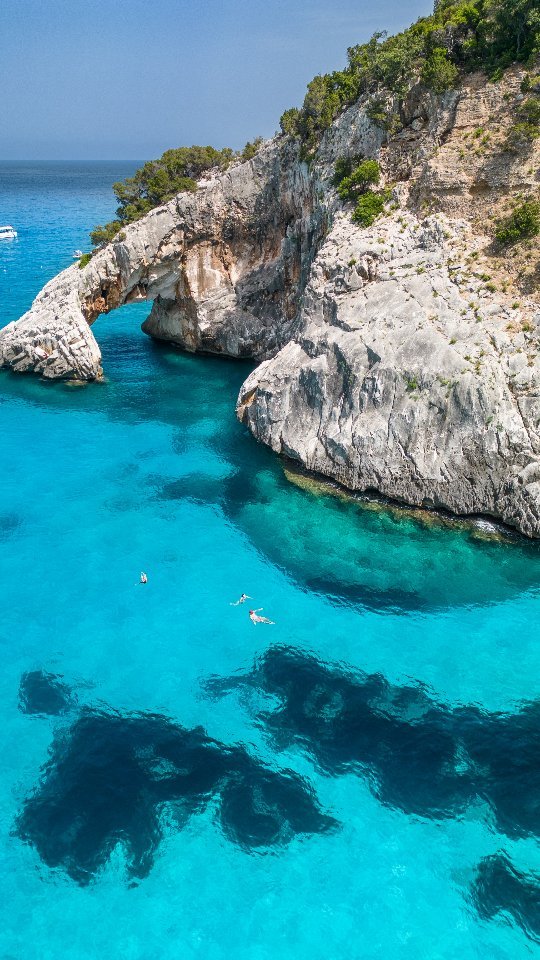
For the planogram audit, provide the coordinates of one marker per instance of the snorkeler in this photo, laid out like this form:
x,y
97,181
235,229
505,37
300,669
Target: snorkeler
x,y
254,617
144,578
243,598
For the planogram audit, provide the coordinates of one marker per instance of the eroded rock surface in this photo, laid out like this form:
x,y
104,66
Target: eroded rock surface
x,y
394,383
225,268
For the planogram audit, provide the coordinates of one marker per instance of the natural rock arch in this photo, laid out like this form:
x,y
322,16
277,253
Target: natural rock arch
x,y
224,268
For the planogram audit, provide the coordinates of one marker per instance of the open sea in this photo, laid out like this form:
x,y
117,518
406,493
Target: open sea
x,y
358,781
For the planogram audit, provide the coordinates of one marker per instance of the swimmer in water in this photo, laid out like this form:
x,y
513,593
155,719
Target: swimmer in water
x,y
144,578
254,617
243,598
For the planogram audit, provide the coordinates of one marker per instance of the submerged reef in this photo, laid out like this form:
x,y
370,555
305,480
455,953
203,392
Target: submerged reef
x,y
114,779
417,755
44,694
118,779
501,889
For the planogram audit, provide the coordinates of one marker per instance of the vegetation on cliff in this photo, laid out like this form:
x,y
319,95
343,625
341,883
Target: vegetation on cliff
x,y
522,224
527,129
158,181
460,35
354,179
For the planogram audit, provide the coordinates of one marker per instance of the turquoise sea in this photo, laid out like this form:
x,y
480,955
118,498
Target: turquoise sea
x,y
358,781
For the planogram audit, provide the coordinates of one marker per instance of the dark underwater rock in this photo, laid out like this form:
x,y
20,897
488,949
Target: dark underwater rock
x,y
112,779
44,693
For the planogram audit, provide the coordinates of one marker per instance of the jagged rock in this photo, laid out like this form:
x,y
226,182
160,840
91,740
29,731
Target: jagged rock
x,y
53,338
225,267
391,385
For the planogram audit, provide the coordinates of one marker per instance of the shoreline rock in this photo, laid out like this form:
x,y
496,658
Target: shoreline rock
x,y
392,384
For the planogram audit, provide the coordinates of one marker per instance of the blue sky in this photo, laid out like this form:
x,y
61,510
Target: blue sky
x,y
126,79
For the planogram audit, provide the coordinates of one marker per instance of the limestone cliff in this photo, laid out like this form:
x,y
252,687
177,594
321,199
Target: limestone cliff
x,y
402,358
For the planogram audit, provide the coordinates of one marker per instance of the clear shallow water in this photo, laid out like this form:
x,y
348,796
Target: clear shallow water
x,y
359,780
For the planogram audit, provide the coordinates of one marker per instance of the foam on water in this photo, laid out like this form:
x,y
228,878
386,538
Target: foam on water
x,y
358,780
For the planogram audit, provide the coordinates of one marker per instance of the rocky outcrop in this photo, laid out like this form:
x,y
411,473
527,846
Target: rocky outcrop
x,y
394,383
225,268
53,339
390,360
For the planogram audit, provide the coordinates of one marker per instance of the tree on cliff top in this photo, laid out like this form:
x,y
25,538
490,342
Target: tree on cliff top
x,y
157,182
460,35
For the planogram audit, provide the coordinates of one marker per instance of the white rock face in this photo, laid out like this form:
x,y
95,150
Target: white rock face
x,y
224,267
53,338
393,384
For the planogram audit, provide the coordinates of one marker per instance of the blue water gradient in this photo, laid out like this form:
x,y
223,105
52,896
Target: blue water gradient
x,y
359,780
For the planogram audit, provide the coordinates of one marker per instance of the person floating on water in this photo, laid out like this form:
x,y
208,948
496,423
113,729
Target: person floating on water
x,y
243,598
144,578
254,617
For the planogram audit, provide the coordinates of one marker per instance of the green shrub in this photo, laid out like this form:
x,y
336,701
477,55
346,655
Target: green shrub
x,y
378,111
530,110
251,148
158,181
104,234
369,207
438,72
522,224
344,167
289,122
530,82
521,135
84,260
353,179
460,35
363,176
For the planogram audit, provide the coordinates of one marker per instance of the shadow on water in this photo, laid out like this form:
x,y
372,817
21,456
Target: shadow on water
x,y
419,756
353,552
122,779
9,524
125,779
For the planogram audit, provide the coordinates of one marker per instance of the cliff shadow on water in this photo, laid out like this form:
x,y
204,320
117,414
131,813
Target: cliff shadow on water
x,y
350,550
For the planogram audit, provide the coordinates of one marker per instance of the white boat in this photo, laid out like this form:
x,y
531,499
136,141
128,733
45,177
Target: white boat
x,y
7,233
77,254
